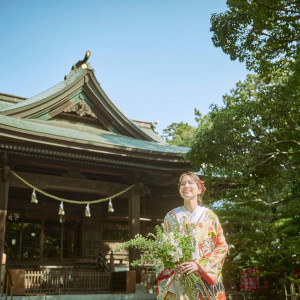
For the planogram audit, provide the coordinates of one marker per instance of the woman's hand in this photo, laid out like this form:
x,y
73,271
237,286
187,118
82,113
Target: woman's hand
x,y
186,267
178,269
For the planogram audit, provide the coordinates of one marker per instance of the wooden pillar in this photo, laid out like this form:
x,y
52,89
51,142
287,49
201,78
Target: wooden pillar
x,y
134,211
62,240
143,228
42,237
134,205
82,246
4,185
21,238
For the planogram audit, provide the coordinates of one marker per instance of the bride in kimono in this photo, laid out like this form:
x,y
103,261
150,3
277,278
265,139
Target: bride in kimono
x,y
211,248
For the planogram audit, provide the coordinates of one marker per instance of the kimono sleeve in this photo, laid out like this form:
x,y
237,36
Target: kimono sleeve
x,y
214,252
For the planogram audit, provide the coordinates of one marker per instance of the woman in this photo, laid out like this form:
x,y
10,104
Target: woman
x,y
211,248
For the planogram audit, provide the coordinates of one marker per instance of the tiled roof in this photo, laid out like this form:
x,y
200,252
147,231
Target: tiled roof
x,y
4,105
81,135
51,91
154,135
102,137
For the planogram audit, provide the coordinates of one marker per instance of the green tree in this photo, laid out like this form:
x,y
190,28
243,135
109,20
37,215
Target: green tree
x,y
262,33
250,158
182,134
179,134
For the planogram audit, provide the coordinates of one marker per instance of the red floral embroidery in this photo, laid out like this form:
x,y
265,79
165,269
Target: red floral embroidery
x,y
221,296
215,239
207,246
171,212
200,225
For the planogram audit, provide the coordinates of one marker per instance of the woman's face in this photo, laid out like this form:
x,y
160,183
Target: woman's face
x,y
188,189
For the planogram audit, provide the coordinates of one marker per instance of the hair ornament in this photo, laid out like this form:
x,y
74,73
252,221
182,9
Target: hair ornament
x,y
202,183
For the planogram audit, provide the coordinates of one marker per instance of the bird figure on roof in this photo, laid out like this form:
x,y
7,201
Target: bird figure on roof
x,y
82,63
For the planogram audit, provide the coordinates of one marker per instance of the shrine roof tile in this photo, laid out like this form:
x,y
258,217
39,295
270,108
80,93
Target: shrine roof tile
x,y
154,135
4,105
51,91
84,136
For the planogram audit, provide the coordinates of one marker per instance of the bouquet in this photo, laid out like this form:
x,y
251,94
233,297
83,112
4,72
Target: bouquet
x,y
167,248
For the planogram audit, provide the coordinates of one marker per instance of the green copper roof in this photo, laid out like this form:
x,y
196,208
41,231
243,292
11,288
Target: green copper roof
x,y
84,135
36,116
51,91
4,105
155,136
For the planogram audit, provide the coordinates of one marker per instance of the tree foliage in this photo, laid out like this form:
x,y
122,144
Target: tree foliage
x,y
255,135
263,33
182,134
250,159
179,134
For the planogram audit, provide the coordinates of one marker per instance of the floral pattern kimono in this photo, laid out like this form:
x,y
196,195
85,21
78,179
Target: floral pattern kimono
x,y
210,254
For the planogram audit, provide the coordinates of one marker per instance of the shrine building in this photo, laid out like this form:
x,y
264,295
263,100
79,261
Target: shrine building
x,y
77,177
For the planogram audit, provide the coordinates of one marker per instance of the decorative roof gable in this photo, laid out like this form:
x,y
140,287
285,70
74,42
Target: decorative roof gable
x,y
78,94
81,109
75,121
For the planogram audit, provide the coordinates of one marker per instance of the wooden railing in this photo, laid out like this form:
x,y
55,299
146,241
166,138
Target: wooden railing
x,y
66,281
291,291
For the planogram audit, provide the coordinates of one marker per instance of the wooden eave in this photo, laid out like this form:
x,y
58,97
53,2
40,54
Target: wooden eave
x,y
11,98
47,146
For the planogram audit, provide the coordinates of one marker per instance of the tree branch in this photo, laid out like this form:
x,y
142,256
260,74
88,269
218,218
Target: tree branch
x,y
296,125
275,38
269,204
286,141
273,154
278,8
261,163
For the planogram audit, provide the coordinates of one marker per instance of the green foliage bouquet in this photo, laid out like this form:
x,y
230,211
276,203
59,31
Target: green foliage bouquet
x,y
167,248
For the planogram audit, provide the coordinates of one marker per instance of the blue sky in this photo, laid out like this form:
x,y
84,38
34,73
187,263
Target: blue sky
x,y
153,58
